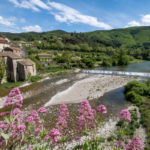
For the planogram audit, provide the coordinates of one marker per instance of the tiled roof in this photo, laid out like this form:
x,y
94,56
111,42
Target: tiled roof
x,y
13,48
11,55
44,55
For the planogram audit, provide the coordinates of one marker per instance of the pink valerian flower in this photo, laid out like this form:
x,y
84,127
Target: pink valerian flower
x,y
35,115
29,148
4,114
135,144
21,128
87,115
14,98
2,141
81,122
39,129
63,112
62,117
55,135
30,120
102,109
42,110
125,114
17,113
4,126
119,144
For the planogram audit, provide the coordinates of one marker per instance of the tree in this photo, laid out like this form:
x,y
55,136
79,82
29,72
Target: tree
x,y
2,69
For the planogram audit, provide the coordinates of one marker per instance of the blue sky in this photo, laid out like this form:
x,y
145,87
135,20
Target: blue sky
x,y
72,15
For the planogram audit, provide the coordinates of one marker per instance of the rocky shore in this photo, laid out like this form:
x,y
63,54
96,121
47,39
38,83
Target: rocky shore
x,y
91,87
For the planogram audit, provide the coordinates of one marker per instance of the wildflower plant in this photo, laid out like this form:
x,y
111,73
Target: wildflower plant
x,y
17,130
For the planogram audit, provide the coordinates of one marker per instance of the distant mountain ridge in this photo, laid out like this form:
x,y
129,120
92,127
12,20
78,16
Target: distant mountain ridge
x,y
127,37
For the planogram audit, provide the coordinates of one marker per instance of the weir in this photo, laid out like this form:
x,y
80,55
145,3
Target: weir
x,y
117,73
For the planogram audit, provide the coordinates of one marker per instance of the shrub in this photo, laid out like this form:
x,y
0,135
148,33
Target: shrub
x,y
134,98
138,87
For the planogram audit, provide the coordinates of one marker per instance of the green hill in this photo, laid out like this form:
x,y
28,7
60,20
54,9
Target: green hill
x,y
128,37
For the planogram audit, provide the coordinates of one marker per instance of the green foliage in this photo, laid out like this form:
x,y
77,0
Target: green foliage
x,y
138,87
134,98
107,62
35,78
91,144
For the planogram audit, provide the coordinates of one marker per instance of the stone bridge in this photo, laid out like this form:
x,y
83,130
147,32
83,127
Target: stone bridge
x,y
118,73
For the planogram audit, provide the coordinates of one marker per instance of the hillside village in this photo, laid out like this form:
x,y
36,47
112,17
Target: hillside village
x,y
18,67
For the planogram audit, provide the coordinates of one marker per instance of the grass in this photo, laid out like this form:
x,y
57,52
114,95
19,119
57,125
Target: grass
x,y
52,70
11,85
60,73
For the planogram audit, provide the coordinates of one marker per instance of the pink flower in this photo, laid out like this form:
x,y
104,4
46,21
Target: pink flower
x,y
35,115
55,135
62,117
135,144
4,114
42,110
30,119
125,114
21,128
29,148
14,98
119,144
102,108
39,129
87,115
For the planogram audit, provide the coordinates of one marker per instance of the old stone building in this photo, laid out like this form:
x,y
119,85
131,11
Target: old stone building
x,y
17,67
4,42
14,50
25,69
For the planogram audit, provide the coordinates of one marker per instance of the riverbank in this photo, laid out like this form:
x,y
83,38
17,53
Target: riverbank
x,y
93,86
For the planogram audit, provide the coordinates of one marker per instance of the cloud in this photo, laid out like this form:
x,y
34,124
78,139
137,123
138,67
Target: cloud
x,y
133,23
67,14
61,12
35,28
9,22
30,4
144,21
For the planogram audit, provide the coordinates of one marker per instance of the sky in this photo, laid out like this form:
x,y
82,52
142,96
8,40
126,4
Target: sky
x,y
72,15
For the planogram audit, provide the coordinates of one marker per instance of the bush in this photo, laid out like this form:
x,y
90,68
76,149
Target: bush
x,y
107,62
134,98
138,87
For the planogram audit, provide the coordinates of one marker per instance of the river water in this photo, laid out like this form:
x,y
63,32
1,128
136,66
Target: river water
x,y
135,67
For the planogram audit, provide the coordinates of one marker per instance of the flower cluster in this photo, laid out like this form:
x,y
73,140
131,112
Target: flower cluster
x,y
125,114
62,117
102,109
14,98
119,144
54,134
87,115
135,144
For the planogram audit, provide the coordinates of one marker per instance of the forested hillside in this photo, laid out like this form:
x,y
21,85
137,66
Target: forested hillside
x,y
105,48
129,37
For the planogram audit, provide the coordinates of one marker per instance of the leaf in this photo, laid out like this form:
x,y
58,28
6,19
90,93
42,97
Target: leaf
x,y
5,136
22,135
6,119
